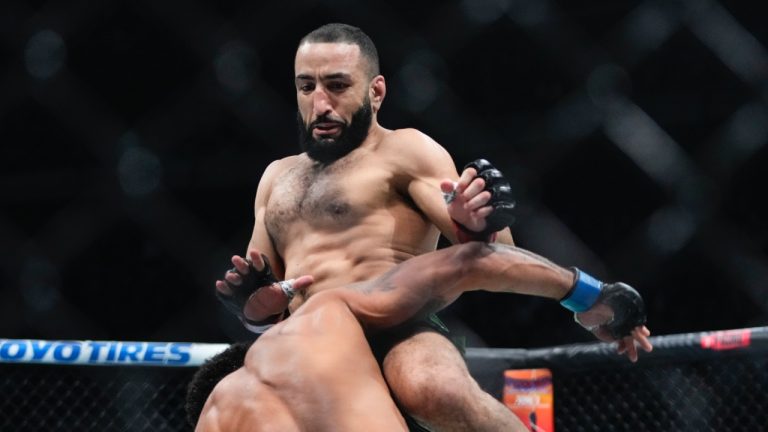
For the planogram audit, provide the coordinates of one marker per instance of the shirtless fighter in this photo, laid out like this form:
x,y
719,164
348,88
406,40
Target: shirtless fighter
x,y
358,201
315,370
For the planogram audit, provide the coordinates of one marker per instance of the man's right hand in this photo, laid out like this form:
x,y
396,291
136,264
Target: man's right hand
x,y
251,291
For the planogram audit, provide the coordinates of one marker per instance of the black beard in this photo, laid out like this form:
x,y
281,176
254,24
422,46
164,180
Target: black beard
x,y
327,150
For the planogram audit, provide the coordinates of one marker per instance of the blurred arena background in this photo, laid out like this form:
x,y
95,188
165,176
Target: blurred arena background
x,y
133,135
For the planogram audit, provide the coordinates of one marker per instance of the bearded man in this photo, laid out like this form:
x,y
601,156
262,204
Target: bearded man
x,y
358,201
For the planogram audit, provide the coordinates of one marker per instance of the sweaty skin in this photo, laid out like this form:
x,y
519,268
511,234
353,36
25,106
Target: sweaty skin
x,y
359,216
354,220
294,381
315,370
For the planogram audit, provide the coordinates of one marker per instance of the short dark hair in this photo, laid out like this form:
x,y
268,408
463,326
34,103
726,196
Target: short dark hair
x,y
209,374
345,33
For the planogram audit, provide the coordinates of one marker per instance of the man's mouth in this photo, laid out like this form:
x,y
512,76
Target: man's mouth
x,y
325,129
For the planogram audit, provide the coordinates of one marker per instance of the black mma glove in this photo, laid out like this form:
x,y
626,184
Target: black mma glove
x,y
628,308
626,303
250,282
501,201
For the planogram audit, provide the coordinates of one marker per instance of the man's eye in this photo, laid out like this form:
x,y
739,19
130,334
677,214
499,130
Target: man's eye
x,y
306,87
338,86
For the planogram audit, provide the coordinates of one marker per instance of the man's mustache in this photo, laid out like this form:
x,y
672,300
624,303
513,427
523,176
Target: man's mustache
x,y
320,120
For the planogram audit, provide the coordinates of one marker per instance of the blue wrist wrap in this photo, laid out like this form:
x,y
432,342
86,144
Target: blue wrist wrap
x,y
584,293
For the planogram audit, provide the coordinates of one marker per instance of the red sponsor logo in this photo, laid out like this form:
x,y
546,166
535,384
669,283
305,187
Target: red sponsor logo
x,y
726,340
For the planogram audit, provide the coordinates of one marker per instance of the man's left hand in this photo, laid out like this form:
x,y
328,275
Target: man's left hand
x,y
481,200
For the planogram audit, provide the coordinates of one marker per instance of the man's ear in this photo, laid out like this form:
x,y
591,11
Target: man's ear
x,y
377,91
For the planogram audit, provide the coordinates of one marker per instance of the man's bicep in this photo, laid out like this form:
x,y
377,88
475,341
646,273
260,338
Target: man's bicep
x,y
432,164
416,287
381,308
384,310
260,239
261,242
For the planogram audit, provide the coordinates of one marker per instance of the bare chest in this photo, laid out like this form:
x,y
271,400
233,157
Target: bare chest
x,y
324,198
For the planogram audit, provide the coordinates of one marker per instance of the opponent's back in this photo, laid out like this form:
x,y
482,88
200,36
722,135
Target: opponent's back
x,y
242,402
319,364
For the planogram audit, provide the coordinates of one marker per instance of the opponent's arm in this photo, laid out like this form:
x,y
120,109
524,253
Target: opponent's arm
x,y
429,282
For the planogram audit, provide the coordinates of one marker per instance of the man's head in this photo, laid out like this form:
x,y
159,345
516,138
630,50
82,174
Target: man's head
x,y
338,90
346,34
209,374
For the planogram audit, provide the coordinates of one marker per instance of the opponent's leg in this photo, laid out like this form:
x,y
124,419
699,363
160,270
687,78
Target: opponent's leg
x,y
431,382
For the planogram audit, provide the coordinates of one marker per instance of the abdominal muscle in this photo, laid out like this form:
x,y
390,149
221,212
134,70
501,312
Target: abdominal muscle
x,y
357,253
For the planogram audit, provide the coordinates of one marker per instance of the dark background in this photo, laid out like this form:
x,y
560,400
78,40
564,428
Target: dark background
x,y
133,135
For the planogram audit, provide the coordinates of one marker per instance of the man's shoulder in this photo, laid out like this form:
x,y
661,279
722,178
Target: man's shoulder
x,y
280,166
286,162
410,144
274,171
413,148
407,137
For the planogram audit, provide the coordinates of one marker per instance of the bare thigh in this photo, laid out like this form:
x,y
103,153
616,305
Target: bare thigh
x,y
430,381
427,369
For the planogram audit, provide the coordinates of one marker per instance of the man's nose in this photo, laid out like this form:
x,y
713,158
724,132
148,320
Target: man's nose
x,y
321,103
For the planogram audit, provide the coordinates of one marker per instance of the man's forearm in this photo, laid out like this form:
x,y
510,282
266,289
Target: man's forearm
x,y
505,268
